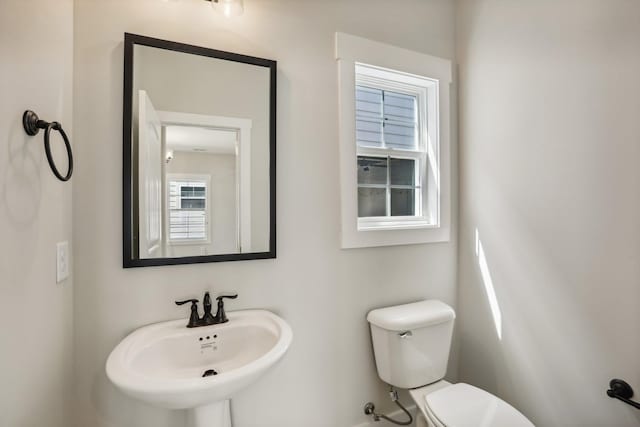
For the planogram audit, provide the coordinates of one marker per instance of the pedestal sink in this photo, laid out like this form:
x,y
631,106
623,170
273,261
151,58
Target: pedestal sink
x,y
199,369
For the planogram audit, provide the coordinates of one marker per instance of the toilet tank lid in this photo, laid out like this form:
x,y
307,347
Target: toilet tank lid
x,y
410,316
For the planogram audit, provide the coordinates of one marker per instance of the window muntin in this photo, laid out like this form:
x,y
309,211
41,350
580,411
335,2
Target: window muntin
x,y
188,210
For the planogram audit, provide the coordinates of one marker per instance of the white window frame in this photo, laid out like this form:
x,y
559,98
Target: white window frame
x,y
207,209
403,70
425,90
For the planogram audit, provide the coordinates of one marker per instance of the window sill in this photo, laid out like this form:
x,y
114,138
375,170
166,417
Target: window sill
x,y
381,224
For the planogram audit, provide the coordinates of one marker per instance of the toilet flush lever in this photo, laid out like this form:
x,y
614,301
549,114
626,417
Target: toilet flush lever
x,y
405,334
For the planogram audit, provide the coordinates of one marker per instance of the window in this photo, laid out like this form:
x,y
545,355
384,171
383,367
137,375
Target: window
x,y
391,155
391,111
394,144
188,206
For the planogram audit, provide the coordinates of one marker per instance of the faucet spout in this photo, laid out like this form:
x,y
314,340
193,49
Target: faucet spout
x,y
208,318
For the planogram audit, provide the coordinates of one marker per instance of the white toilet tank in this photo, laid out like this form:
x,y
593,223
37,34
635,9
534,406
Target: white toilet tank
x,y
411,342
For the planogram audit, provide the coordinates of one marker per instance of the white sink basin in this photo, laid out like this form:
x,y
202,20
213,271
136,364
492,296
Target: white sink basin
x,y
163,364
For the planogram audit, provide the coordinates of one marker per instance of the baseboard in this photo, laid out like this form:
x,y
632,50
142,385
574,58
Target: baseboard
x,y
399,414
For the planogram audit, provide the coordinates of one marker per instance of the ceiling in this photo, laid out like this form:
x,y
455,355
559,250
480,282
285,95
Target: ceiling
x,y
200,139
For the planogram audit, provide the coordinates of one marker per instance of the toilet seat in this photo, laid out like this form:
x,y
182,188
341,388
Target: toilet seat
x,y
463,405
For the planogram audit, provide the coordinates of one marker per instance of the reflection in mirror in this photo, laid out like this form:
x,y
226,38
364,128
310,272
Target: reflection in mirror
x,y
201,140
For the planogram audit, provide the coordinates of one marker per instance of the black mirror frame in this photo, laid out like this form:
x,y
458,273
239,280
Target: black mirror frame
x,y
127,179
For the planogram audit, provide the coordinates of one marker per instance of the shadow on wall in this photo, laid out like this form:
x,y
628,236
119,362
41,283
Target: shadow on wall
x,y
20,199
21,187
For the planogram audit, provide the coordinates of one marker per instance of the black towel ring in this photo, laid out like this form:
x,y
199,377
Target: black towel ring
x,y
32,125
621,390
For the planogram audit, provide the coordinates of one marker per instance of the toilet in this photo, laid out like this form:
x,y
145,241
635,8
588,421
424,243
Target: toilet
x,y
411,344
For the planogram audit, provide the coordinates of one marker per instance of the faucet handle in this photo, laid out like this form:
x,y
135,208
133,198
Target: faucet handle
x,y
192,301
230,296
194,319
221,316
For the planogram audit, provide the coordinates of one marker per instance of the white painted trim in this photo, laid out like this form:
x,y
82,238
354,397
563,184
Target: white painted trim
x,y
215,122
358,49
150,161
243,161
349,51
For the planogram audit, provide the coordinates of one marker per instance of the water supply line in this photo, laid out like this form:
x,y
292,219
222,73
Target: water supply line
x,y
369,409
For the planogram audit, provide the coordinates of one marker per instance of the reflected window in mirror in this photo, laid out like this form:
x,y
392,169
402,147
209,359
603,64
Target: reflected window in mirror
x,y
188,216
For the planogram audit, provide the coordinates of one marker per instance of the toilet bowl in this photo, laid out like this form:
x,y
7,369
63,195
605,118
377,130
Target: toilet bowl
x,y
411,344
462,405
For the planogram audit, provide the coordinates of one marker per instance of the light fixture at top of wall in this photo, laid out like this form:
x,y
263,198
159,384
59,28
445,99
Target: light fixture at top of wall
x,y
228,7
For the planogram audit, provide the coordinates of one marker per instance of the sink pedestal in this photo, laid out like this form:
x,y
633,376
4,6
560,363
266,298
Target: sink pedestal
x,y
214,415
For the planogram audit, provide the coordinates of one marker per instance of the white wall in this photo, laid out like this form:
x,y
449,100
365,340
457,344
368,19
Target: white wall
x,y
549,125
36,350
324,292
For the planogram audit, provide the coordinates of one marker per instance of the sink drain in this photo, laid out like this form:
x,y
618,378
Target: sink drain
x,y
209,373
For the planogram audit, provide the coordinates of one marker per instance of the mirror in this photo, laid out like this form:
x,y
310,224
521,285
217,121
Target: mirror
x,y
199,154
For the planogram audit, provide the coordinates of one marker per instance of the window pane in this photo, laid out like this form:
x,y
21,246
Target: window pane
x,y
369,132
372,202
193,204
400,115
187,225
398,106
368,102
402,202
402,171
368,116
186,191
372,170
400,135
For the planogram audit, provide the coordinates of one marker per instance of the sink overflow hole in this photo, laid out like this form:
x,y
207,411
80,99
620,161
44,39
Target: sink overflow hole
x,y
209,372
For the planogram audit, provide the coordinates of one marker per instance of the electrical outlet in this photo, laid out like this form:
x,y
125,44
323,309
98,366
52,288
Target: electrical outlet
x,y
62,261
